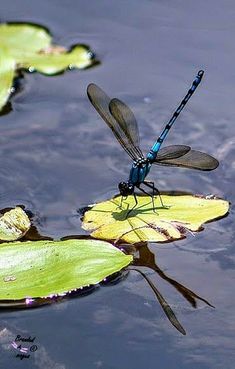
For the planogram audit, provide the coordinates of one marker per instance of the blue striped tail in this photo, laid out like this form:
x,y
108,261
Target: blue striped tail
x,y
156,146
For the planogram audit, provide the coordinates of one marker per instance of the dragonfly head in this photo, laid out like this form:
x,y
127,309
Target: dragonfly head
x,y
126,188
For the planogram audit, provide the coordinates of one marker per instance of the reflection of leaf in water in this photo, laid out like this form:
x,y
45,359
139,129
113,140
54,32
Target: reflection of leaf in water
x,y
29,47
50,268
181,214
14,224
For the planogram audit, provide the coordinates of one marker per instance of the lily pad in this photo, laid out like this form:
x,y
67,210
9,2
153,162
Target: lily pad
x,y
53,62
180,214
7,73
50,268
14,224
29,47
22,37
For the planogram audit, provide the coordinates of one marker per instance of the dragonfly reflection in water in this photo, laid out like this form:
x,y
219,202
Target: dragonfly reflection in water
x,y
122,122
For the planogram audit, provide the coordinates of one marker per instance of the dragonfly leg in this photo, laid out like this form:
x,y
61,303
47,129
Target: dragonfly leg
x,y
120,205
152,197
155,190
136,202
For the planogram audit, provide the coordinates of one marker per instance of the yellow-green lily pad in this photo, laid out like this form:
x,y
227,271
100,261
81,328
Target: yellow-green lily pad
x,y
22,37
7,73
180,214
38,269
56,60
29,47
14,224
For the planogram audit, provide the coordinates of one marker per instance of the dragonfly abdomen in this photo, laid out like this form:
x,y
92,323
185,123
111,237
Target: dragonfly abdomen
x,y
139,171
156,146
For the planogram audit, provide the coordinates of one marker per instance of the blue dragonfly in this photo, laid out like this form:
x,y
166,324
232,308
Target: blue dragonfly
x,y
122,122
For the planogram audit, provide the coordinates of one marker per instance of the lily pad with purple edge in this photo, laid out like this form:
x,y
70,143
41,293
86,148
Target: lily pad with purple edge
x,y
41,269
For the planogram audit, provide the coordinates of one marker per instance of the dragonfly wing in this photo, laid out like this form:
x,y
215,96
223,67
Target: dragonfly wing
x,y
101,103
126,120
172,152
192,159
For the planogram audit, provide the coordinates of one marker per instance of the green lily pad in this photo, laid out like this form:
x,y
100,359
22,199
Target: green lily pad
x,y
7,73
29,47
14,224
50,268
180,214
54,61
22,37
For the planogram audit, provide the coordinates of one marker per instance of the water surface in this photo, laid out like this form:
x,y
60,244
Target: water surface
x,y
56,155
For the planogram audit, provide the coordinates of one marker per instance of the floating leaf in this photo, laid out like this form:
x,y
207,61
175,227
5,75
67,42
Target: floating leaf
x,y
48,268
180,214
56,62
7,73
29,46
13,225
22,37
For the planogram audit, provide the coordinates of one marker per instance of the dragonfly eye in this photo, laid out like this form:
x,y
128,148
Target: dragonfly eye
x,y
126,188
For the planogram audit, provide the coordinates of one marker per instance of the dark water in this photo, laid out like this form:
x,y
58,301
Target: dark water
x,y
56,155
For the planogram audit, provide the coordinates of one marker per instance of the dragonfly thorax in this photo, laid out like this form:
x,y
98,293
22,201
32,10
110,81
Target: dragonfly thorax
x,y
140,162
139,170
